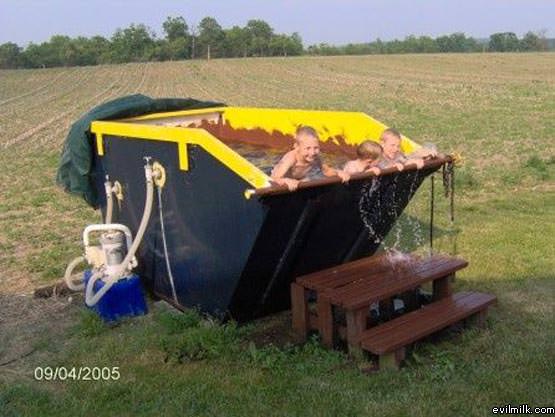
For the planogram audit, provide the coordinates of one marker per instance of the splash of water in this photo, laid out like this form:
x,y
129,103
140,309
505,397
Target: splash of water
x,y
395,256
399,261
413,222
366,215
393,211
405,228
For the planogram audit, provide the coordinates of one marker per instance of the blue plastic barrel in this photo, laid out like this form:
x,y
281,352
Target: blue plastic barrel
x,y
124,299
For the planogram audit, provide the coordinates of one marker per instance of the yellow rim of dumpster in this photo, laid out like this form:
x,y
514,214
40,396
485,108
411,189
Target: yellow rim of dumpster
x,y
351,127
183,137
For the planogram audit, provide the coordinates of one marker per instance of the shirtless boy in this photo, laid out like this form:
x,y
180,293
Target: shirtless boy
x,y
303,163
392,155
369,154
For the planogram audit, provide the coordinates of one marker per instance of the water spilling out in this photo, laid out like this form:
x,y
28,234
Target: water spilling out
x,y
413,221
400,261
382,211
369,208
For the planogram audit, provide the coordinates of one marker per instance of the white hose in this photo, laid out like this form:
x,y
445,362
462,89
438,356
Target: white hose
x,y
168,266
69,270
121,270
109,202
91,299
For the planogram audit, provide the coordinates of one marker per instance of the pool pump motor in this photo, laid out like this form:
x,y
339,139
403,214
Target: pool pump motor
x,y
111,289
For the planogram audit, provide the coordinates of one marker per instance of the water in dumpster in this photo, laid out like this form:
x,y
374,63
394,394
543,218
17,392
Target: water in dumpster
x,y
265,158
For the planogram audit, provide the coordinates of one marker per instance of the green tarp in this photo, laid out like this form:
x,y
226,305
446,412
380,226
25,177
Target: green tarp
x,y
75,172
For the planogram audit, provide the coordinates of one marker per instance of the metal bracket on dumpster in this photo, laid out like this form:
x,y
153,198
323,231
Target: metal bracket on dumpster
x,y
160,179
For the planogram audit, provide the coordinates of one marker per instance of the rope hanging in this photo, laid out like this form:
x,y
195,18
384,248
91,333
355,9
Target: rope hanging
x,y
449,187
432,191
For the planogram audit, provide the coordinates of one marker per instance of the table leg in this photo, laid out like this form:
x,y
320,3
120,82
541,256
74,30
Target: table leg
x,y
356,324
299,310
325,320
443,287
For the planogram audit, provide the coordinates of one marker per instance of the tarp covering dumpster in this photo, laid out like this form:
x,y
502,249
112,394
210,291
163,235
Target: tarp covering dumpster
x,y
76,172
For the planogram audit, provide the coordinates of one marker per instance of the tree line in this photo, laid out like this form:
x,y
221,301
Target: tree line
x,y
139,43
455,42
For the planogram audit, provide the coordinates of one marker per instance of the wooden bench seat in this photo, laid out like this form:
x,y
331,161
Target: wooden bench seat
x,y
322,281
388,340
384,284
357,297
345,274
355,286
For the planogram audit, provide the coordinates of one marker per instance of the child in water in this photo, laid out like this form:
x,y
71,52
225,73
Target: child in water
x,y
303,163
392,155
369,154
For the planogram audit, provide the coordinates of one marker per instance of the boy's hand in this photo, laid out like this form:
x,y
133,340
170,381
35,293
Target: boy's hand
x,y
416,162
343,175
430,153
291,184
374,170
399,166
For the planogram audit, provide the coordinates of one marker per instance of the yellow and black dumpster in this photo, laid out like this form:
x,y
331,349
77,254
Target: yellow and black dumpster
x,y
222,237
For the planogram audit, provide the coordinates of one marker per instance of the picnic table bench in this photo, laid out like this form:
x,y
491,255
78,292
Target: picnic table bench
x,y
352,288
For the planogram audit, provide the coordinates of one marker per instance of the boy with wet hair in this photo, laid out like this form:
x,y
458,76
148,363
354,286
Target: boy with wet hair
x,y
303,162
390,140
369,154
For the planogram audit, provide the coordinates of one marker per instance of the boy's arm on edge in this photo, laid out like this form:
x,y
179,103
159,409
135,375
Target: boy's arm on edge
x,y
283,166
332,172
329,171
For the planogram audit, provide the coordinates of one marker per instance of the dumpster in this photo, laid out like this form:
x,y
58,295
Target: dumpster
x,y
222,237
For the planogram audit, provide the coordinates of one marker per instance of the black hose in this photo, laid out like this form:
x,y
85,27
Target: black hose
x,y
449,187
452,202
432,191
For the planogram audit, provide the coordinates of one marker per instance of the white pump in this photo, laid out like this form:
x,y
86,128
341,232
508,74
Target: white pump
x,y
107,260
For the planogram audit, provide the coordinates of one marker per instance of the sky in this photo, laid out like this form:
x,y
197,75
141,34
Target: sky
x,y
331,21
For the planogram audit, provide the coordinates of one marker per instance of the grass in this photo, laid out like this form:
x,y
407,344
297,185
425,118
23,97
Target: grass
x,y
497,111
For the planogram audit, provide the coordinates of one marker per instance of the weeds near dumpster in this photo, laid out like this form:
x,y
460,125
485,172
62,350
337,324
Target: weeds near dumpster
x,y
442,366
188,337
269,357
177,322
201,340
90,324
306,358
